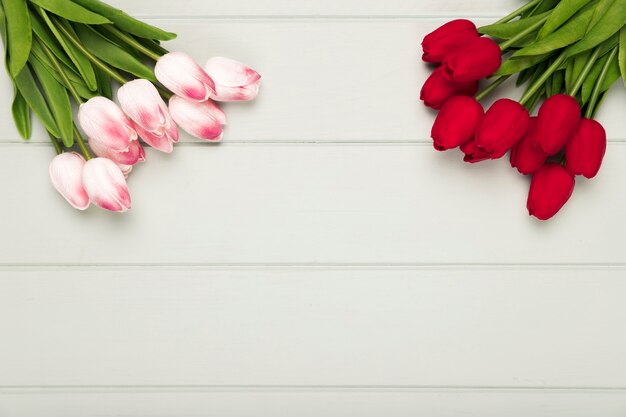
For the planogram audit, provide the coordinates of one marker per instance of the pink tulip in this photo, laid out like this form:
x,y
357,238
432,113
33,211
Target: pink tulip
x,y
105,184
135,152
126,169
179,73
203,120
104,122
233,80
66,173
142,103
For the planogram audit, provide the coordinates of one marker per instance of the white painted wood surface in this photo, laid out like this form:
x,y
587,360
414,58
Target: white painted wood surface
x,y
323,260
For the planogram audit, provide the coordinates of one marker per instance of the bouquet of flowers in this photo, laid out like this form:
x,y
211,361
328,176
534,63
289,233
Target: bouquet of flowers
x,y
62,50
566,54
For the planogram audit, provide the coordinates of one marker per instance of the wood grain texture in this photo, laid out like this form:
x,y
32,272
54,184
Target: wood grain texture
x,y
421,327
337,403
323,80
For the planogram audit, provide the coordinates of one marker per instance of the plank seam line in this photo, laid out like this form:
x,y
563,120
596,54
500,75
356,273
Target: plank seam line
x,y
316,17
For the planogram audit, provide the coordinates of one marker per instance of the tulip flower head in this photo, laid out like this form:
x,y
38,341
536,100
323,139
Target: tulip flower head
x,y
448,38
438,89
504,125
557,122
526,155
479,58
66,173
585,151
105,185
142,103
203,120
550,188
179,73
233,80
105,123
134,154
456,122
473,153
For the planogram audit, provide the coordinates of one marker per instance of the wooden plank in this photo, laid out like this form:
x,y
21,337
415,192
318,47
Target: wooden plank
x,y
342,403
378,327
337,81
374,204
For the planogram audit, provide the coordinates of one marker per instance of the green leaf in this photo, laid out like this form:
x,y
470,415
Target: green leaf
x,y
567,34
19,33
609,24
612,75
516,64
558,80
28,88
126,22
58,100
79,59
569,71
112,54
77,81
71,11
510,29
622,53
592,77
44,35
21,115
104,84
544,6
561,13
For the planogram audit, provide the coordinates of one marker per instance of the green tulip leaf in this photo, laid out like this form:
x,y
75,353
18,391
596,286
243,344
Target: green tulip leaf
x,y
567,34
622,53
112,53
544,6
21,115
43,34
511,29
125,22
27,86
104,84
592,77
71,11
561,14
77,81
611,76
558,80
606,26
19,34
516,64
58,100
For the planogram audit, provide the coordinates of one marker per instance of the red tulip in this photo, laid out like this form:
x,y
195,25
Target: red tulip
x,y
584,152
478,59
447,38
504,124
437,89
473,153
550,189
456,122
557,121
526,156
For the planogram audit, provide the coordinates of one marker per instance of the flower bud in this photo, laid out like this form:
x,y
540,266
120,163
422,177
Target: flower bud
x,y
437,89
105,184
473,153
134,154
104,122
557,121
504,125
203,120
456,122
449,37
180,74
526,156
233,80
66,173
550,189
478,59
585,151
141,101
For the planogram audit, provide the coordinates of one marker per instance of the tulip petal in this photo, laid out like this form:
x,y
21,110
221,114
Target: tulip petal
x,y
141,102
103,121
234,81
66,173
132,155
203,120
105,184
179,73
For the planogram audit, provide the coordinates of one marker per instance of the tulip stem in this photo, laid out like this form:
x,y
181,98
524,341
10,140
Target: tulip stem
x,y
55,63
581,79
57,146
530,29
491,87
541,80
82,145
95,60
518,12
129,40
598,87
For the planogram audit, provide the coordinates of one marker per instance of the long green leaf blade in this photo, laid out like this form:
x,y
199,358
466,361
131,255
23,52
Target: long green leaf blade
x,y
510,29
20,36
27,86
44,35
126,22
622,53
71,11
608,25
517,64
21,115
561,13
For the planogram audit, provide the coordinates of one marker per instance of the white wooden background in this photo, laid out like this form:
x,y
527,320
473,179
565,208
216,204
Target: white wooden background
x,y
323,260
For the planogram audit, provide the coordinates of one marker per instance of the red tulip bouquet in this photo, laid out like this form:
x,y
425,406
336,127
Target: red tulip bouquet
x,y
62,50
566,54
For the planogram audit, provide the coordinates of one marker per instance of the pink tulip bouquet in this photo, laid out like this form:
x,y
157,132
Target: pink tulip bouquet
x,y
57,51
